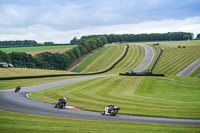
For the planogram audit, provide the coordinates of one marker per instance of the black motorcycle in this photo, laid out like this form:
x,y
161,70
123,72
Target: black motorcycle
x,y
61,104
17,89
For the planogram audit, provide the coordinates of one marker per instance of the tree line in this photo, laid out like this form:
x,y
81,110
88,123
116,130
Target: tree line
x,y
170,36
54,61
26,43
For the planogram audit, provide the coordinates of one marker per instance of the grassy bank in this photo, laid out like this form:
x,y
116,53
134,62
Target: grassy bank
x,y
19,122
149,96
174,59
107,57
102,60
133,58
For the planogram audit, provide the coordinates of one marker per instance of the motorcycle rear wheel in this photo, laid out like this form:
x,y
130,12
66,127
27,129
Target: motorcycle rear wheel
x,y
103,112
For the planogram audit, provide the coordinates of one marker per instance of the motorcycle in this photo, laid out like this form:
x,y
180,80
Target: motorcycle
x,y
17,89
110,110
61,104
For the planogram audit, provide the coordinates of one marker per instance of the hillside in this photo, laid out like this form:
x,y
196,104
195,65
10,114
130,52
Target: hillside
x,y
105,58
174,59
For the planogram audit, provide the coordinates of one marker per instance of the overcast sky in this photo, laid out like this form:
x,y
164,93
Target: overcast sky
x,y
61,20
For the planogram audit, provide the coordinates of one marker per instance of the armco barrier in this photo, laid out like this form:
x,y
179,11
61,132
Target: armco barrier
x,y
156,60
58,75
141,74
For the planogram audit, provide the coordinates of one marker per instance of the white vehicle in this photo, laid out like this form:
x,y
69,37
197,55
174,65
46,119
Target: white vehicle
x,y
110,110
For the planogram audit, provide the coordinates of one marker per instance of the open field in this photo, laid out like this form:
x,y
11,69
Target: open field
x,y
19,122
149,96
38,48
173,59
33,53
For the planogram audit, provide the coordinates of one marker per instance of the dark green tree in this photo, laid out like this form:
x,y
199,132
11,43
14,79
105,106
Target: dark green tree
x,y
76,52
82,49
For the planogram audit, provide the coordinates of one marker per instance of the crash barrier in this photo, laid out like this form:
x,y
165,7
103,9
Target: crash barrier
x,y
151,69
58,75
131,73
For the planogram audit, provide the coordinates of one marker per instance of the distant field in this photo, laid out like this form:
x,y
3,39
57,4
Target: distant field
x,y
39,48
149,96
173,59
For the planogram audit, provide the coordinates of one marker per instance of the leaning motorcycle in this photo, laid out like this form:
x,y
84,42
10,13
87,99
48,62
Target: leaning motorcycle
x,y
17,88
61,104
110,110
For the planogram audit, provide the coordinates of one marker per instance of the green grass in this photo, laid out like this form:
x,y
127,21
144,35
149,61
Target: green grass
x,y
173,59
19,72
38,48
133,58
174,44
19,122
149,96
101,60
107,57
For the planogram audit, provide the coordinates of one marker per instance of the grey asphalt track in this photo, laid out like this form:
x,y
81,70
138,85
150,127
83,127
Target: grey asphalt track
x,y
18,102
147,60
189,69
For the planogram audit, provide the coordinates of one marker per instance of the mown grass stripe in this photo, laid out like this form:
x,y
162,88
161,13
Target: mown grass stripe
x,y
152,96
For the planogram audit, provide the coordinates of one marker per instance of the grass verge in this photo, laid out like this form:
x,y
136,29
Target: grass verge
x,y
19,122
19,72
